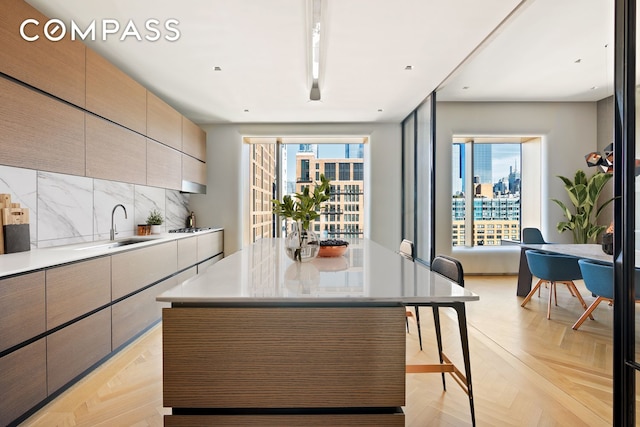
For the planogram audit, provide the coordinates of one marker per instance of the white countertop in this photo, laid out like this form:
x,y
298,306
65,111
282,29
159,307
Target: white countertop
x,y
36,259
368,274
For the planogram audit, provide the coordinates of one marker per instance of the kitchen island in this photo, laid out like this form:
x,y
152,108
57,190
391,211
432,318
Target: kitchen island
x,y
258,339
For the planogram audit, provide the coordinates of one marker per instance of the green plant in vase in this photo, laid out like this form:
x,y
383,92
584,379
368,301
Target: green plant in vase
x,y
584,194
302,208
155,218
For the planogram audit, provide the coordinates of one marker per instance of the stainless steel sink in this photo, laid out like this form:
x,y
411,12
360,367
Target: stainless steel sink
x,y
116,243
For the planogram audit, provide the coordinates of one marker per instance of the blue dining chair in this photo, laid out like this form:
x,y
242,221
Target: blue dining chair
x,y
532,236
598,278
553,268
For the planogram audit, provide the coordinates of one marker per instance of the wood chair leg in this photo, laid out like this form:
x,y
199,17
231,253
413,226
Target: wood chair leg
x,y
552,288
587,313
531,293
576,293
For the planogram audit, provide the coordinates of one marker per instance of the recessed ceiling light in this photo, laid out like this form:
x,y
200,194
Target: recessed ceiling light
x,y
216,68
246,111
594,87
577,61
380,110
465,87
408,67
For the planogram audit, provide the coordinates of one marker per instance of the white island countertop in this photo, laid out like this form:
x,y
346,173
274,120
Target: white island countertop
x,y
368,274
36,259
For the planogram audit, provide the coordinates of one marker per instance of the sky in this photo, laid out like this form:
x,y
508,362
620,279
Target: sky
x,y
504,156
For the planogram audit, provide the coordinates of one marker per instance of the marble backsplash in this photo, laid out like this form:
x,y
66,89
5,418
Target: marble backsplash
x,y
66,209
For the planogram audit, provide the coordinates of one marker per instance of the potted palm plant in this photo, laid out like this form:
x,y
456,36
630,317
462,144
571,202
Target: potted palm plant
x,y
584,194
302,244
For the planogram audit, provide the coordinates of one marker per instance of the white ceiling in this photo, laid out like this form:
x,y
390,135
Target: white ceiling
x,y
262,48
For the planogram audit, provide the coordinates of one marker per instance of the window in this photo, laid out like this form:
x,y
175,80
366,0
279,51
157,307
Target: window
x,y
485,183
345,171
358,174
330,171
304,170
301,167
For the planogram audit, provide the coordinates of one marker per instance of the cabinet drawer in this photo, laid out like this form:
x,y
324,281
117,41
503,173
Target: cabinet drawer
x,y
72,350
313,420
209,244
76,289
132,315
202,267
187,252
22,304
136,269
23,381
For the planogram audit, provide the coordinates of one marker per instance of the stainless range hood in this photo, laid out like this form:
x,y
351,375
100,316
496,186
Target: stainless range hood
x,y
193,187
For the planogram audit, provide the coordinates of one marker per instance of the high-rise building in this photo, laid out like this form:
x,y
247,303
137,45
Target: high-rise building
x,y
483,163
343,215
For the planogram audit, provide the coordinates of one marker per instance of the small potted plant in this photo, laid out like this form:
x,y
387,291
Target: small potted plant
x,y
155,220
302,244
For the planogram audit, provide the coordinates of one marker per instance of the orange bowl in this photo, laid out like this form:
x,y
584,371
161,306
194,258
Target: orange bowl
x,y
332,251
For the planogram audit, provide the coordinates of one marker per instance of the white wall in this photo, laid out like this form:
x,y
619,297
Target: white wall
x,y
568,132
227,173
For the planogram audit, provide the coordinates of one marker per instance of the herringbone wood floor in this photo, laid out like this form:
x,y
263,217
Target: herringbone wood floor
x,y
527,370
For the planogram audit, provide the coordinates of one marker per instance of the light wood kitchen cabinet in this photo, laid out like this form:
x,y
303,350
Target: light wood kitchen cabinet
x,y
114,95
76,289
163,166
133,270
194,170
164,124
114,152
39,132
77,347
134,314
23,381
22,304
209,244
194,140
57,68
202,267
187,252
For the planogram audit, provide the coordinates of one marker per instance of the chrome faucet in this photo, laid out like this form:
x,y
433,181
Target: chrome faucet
x,y
113,230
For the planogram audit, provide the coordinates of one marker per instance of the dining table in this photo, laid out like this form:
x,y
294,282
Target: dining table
x,y
578,250
259,336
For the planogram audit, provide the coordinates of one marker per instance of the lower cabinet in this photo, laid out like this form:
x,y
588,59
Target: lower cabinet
x,y
134,314
74,349
82,312
23,383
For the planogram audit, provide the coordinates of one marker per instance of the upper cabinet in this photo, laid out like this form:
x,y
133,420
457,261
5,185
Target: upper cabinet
x,y
54,67
163,166
40,132
164,124
194,140
114,95
115,153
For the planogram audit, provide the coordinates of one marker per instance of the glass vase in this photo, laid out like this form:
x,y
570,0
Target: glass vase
x,y
301,244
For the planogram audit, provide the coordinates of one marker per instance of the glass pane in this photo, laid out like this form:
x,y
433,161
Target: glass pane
x,y
344,212
424,191
458,206
496,187
408,178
